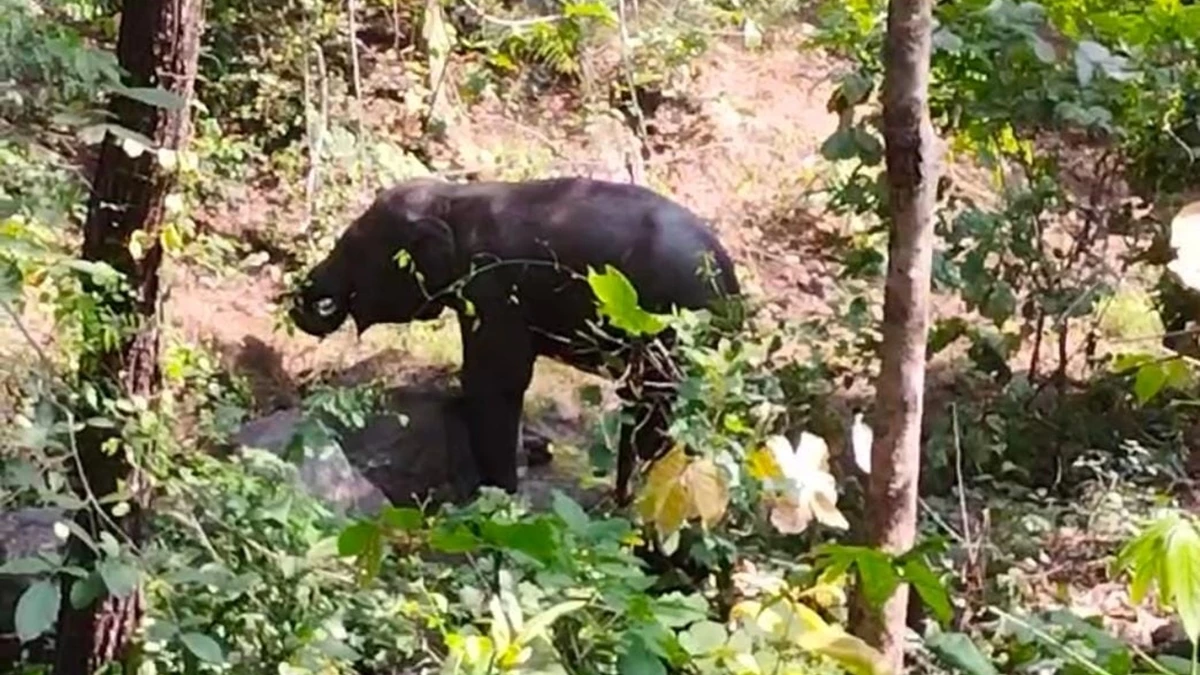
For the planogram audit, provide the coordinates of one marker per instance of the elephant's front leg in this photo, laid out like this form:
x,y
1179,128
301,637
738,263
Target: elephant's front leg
x,y
494,433
497,368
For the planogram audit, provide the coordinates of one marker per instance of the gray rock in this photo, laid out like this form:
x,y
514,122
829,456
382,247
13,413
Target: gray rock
x,y
324,471
23,533
416,454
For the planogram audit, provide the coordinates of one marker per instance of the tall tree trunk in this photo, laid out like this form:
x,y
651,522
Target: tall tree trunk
x,y
158,46
912,164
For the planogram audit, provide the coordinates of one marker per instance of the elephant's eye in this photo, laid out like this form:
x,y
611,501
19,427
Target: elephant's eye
x,y
325,306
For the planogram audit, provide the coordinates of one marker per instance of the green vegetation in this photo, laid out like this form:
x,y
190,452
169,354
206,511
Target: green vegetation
x,y
1059,428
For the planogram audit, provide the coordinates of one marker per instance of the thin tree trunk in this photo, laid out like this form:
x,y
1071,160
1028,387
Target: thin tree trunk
x,y
158,46
912,164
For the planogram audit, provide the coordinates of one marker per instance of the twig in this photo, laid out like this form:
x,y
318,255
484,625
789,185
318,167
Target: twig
x,y
316,142
1048,639
958,478
1039,331
939,520
396,25
33,344
352,20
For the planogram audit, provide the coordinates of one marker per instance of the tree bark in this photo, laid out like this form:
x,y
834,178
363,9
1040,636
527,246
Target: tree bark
x,y
158,46
912,165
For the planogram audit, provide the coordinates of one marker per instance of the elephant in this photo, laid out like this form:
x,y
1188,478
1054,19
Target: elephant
x,y
509,258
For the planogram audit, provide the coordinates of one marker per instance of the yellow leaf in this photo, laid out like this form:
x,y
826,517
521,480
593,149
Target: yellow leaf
x,y
809,620
851,653
761,464
661,481
706,491
679,488
746,609
826,595
137,244
172,241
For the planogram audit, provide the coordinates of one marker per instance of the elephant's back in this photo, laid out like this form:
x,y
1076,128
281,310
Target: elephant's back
x,y
658,243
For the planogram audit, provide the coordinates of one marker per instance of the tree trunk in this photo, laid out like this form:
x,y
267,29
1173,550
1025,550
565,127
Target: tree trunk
x,y
912,163
158,46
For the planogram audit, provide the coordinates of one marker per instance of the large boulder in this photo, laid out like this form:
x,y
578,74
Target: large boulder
x,y
416,452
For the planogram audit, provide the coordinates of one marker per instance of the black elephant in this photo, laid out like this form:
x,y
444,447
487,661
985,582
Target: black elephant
x,y
510,258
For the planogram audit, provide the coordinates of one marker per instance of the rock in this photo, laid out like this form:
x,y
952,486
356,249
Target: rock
x,y
417,452
23,533
325,471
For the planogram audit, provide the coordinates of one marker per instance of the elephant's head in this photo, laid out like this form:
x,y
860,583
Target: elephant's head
x,y
387,267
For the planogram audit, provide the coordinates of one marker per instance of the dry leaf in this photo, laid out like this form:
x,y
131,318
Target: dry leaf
x,y
679,488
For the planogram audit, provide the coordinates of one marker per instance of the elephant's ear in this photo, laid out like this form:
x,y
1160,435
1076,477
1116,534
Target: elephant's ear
x,y
433,248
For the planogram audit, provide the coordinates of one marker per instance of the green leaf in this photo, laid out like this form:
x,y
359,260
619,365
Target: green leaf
x,y
876,577
617,300
1179,375
958,651
1042,49
85,591
870,148
337,649
403,519
1183,572
1174,664
357,538
37,609
1000,303
841,145
944,333
1144,556
537,625
453,540
120,578
570,511
10,281
930,588
205,648
100,272
533,539
855,88
25,566
161,630
153,96
675,610
1149,381
637,658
